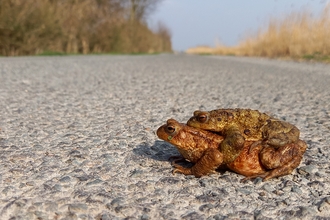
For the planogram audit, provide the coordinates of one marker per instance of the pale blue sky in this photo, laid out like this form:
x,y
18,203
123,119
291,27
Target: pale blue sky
x,y
198,22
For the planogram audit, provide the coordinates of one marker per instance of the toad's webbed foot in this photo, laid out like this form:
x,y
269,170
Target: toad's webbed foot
x,y
181,169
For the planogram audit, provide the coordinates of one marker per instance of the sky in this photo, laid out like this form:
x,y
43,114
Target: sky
x,y
197,22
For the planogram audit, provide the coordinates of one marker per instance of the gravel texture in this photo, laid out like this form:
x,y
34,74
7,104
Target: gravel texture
x,y
77,138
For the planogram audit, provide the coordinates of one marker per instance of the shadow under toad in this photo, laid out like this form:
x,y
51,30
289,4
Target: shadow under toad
x,y
163,151
160,150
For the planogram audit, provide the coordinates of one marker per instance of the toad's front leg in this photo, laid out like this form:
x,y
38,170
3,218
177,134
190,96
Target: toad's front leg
x,y
232,145
207,164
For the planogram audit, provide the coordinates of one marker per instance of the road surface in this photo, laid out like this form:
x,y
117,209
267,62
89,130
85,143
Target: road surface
x,y
78,141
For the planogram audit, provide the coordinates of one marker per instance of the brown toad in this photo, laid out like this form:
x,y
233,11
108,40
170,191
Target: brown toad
x,y
239,125
202,148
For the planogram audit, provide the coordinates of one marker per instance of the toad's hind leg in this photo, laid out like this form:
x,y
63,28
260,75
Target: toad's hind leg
x,y
286,159
280,162
290,162
280,171
208,163
272,158
279,133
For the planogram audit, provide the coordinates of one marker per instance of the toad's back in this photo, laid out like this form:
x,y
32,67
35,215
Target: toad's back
x,y
248,121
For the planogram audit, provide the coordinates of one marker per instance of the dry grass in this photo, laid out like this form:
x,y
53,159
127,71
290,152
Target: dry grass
x,y
201,50
75,26
298,35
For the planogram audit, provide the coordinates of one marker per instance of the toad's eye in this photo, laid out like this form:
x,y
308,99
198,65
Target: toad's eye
x,y
247,131
202,118
170,129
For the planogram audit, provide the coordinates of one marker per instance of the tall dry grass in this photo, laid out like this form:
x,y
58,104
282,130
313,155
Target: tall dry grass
x,y
74,26
298,35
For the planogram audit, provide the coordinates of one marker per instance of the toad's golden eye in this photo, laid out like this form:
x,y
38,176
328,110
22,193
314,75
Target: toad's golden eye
x,y
202,118
170,129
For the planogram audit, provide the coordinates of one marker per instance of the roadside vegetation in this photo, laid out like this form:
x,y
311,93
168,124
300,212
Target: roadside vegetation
x,y
299,35
54,27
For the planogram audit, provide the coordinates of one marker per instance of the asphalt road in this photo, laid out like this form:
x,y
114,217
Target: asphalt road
x,y
77,138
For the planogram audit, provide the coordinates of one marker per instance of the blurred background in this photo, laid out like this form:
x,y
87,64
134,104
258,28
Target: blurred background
x,y
80,26
298,29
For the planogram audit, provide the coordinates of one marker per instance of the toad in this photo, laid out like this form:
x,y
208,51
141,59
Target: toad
x,y
202,148
240,125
